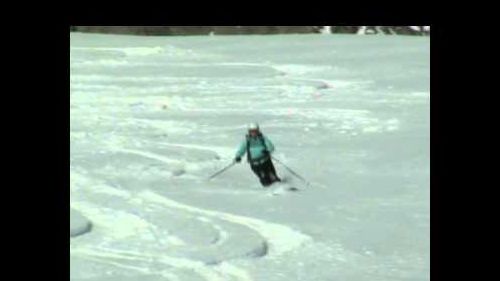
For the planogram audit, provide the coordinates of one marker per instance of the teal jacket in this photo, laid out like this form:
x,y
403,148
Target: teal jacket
x,y
256,148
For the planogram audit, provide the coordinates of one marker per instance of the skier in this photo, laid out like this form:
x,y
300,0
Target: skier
x,y
258,149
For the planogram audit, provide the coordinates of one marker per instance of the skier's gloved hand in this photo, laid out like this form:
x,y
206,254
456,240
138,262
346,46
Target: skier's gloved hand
x,y
237,159
266,152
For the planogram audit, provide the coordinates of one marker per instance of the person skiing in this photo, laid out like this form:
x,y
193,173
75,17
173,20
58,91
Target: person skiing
x,y
258,149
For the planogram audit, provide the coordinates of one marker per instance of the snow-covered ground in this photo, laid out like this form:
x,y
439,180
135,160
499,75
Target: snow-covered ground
x,y
153,117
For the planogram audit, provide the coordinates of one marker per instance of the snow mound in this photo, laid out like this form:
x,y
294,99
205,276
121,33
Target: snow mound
x,y
234,242
78,224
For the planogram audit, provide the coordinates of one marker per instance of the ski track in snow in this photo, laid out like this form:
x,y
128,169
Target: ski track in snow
x,y
280,237
130,225
123,224
218,272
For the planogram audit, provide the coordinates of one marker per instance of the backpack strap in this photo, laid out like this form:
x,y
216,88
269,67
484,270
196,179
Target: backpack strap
x,y
248,148
260,136
263,141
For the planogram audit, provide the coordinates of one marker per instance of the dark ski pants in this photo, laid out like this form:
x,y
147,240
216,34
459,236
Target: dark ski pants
x,y
265,172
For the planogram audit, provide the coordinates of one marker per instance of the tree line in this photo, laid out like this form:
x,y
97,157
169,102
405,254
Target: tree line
x,y
235,30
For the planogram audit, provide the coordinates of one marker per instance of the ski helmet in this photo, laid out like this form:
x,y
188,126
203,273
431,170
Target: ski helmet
x,y
253,127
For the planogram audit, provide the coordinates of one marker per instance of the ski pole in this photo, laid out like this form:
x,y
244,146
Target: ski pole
x,y
221,171
291,171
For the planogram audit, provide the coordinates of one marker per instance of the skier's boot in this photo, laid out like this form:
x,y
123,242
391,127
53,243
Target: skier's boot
x,y
274,178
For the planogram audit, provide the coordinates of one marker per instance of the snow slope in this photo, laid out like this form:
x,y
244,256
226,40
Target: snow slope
x,y
153,117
